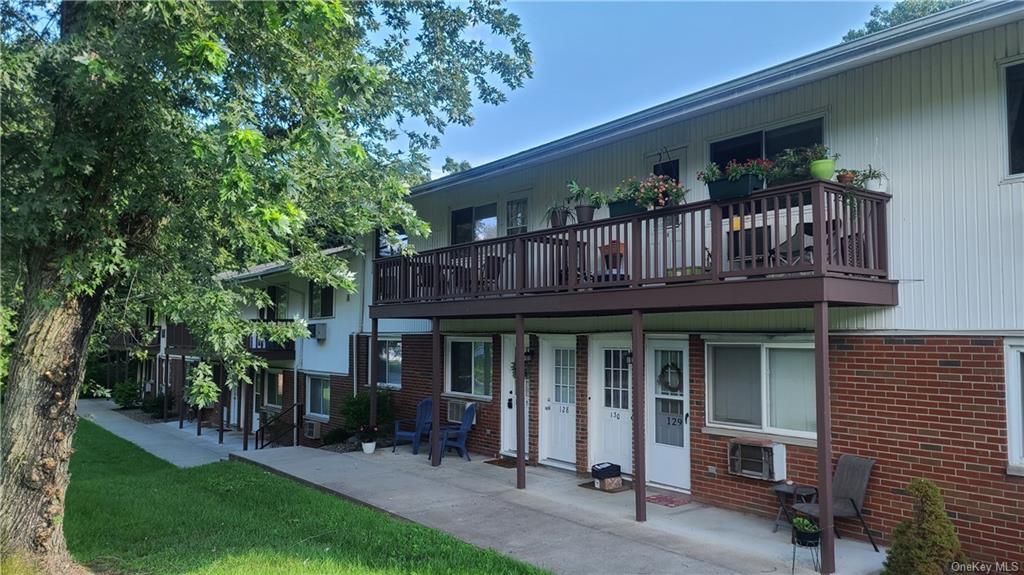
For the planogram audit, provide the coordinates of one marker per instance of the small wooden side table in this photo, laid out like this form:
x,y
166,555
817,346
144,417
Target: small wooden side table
x,y
789,494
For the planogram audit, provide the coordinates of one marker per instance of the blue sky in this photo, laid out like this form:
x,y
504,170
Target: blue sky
x,y
597,61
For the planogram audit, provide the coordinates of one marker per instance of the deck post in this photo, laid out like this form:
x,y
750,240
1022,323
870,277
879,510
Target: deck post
x,y
520,402
824,424
716,242
435,381
166,380
199,420
246,412
220,404
639,440
181,394
374,361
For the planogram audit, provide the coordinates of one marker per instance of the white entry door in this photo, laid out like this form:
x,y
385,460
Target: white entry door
x,y
668,409
611,384
558,397
508,398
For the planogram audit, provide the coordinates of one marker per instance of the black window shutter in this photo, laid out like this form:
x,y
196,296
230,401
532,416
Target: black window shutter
x,y
312,312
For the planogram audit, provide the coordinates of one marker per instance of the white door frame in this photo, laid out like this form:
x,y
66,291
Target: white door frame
x,y
678,342
595,389
508,385
545,390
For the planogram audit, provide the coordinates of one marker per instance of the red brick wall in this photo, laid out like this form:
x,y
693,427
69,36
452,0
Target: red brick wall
x,y
931,407
582,394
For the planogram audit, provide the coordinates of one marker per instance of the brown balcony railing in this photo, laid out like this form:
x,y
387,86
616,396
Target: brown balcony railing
x,y
809,228
257,344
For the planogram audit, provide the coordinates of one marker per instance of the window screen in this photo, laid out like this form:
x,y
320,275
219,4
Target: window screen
x,y
736,385
791,389
668,168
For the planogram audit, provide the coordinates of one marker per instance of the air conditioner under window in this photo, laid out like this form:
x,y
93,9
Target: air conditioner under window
x,y
456,409
757,459
311,430
318,331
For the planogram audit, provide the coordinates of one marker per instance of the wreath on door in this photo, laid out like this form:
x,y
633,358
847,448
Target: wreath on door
x,y
671,377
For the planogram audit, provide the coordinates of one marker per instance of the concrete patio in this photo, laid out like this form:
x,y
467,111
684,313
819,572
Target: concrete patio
x,y
554,523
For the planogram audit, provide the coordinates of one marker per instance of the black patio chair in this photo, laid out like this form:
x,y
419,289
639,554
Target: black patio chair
x,y
849,484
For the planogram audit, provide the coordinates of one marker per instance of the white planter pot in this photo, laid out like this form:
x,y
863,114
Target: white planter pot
x,y
369,447
879,185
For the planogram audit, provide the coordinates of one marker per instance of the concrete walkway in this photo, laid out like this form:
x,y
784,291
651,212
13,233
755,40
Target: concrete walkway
x,y
178,446
554,523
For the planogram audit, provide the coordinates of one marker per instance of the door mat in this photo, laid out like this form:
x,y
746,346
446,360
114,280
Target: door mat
x,y
506,462
627,485
668,500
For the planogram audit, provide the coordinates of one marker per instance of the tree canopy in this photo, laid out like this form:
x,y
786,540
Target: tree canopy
x,y
150,146
453,166
901,12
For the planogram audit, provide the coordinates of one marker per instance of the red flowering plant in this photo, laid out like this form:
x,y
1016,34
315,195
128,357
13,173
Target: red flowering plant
x,y
368,433
651,192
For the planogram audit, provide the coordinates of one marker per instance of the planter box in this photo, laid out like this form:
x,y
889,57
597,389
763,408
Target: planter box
x,y
805,539
624,208
727,190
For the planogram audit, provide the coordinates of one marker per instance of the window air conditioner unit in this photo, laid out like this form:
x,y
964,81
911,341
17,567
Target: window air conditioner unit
x,y
757,459
311,430
456,409
318,331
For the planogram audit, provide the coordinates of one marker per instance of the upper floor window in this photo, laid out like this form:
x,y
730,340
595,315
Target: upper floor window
x,y
515,217
474,224
389,363
668,168
768,143
321,301
1015,116
278,303
387,249
1015,402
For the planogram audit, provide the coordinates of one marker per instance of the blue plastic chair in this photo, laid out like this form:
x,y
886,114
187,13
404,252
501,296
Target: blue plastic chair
x,y
421,426
456,436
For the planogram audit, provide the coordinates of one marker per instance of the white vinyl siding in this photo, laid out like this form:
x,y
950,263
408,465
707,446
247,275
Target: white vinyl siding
x,y
934,119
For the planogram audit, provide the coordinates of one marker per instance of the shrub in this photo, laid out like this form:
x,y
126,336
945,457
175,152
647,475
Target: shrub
x,y
126,394
154,405
356,411
925,544
336,435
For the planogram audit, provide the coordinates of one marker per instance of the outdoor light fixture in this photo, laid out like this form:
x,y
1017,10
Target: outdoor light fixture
x,y
629,358
528,355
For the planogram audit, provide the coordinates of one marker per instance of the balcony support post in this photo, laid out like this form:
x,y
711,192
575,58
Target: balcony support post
x,y
374,362
639,396
520,265
246,410
220,403
636,251
165,382
181,393
435,380
821,226
824,425
520,402
716,242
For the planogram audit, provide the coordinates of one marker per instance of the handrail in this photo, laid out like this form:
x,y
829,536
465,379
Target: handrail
x,y
813,227
261,434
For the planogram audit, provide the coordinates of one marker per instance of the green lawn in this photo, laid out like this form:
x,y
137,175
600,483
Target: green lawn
x,y
129,512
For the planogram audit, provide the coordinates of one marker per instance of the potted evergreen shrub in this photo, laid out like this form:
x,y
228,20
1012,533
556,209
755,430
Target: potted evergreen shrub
x,y
559,215
587,201
368,437
806,532
927,542
823,162
738,180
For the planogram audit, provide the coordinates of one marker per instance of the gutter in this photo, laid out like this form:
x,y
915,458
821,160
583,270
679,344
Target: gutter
x,y
929,30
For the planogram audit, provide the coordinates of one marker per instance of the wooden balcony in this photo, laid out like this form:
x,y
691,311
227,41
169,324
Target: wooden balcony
x,y
762,251
267,349
179,339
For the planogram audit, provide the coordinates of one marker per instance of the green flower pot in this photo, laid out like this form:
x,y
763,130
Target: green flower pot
x,y
823,169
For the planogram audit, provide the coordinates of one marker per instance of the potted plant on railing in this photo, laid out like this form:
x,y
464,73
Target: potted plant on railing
x,y
871,179
823,162
846,177
806,533
559,215
653,192
587,201
739,179
368,437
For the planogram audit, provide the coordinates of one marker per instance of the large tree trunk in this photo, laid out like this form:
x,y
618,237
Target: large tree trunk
x,y
46,372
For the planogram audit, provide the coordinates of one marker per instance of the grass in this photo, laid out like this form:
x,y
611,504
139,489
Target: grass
x,y
130,512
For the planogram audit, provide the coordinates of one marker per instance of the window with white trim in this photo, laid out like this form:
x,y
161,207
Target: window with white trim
x,y
273,388
762,386
321,301
516,217
1015,117
389,363
1015,401
318,396
470,370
